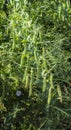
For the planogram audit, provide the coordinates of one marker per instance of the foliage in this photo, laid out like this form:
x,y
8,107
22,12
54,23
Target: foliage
x,y
35,60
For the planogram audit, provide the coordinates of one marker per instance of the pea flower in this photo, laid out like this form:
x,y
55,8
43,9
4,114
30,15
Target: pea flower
x,y
18,93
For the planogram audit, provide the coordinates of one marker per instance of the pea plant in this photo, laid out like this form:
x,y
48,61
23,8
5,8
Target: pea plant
x,y
35,60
